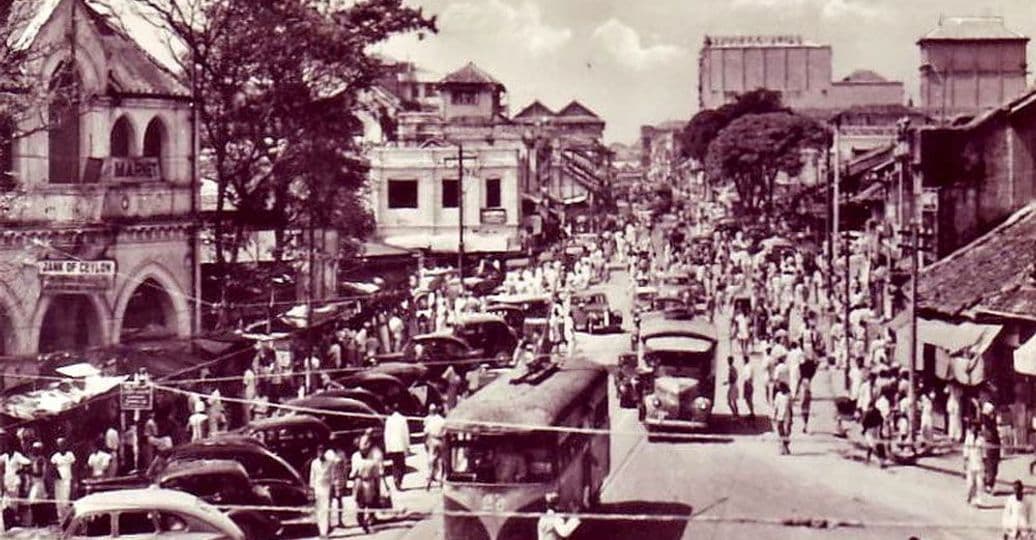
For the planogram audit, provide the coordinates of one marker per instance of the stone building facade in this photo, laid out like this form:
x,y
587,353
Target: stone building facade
x,y
98,240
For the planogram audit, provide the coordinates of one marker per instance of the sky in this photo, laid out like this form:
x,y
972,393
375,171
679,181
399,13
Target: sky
x,y
635,62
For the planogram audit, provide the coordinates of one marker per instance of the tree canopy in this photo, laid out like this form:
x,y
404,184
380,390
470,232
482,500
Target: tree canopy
x,y
753,150
706,125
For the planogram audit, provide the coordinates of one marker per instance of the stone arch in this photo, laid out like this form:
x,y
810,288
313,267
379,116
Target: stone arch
x,y
69,322
156,282
122,139
156,142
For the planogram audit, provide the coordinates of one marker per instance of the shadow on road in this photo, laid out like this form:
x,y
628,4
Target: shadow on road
x,y
731,425
667,527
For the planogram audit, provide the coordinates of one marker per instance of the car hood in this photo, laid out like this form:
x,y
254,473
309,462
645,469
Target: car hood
x,y
677,385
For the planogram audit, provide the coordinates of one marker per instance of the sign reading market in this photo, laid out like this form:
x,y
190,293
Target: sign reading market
x,y
76,275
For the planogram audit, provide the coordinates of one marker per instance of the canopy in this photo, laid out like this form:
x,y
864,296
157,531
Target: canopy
x,y
1025,358
56,398
447,242
959,347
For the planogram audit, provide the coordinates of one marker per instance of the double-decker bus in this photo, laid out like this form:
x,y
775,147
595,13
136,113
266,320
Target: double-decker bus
x,y
507,447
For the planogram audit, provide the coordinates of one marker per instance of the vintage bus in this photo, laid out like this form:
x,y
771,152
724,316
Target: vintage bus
x,y
506,448
677,355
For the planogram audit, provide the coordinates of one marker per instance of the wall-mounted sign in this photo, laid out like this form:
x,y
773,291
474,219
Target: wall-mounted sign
x,y
930,199
494,216
135,396
131,169
76,276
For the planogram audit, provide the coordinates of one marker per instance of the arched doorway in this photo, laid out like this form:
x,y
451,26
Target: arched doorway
x,y
150,313
121,139
71,322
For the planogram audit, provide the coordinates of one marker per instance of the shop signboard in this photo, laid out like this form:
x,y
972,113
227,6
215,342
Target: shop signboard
x,y
136,396
76,275
131,169
494,216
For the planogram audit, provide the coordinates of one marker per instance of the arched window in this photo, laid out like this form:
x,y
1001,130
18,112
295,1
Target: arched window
x,y
154,138
121,136
63,125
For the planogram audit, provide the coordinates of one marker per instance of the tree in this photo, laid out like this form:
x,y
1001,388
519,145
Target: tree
x,y
754,149
706,125
275,84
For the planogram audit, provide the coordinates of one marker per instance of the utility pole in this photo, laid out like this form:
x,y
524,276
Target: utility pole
x,y
847,306
460,214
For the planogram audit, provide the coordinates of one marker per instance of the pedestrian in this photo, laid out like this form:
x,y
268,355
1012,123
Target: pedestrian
x,y
320,470
732,391
13,462
554,526
99,461
62,460
216,413
397,444
953,412
434,428
148,447
37,496
973,449
249,389
113,443
197,421
339,488
871,421
991,455
768,372
927,415
365,471
1016,517
782,416
747,386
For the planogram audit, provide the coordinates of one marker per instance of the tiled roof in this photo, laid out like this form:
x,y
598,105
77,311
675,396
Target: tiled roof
x,y
993,273
535,110
971,28
470,74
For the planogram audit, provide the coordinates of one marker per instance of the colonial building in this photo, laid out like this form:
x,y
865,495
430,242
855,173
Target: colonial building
x,y
969,64
465,155
800,70
98,241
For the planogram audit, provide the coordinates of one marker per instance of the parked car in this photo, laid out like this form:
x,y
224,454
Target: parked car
x,y
150,513
435,352
264,467
514,316
346,418
592,313
222,483
488,333
536,308
295,438
408,373
363,395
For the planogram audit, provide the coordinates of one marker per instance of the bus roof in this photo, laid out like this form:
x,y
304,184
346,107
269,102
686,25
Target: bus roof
x,y
661,326
516,405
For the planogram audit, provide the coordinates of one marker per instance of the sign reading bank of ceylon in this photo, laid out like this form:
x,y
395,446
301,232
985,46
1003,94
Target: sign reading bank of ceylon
x,y
75,276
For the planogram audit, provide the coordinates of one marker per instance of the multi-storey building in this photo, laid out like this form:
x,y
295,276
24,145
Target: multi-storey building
x,y
800,70
969,64
98,243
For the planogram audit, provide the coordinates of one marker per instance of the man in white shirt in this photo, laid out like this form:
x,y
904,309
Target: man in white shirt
x,y
320,482
1016,516
397,444
553,526
62,460
434,426
99,462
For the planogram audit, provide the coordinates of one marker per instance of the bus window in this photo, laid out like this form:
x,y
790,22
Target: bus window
x,y
501,459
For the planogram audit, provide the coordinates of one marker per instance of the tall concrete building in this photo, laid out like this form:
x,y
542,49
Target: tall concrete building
x,y
800,70
969,64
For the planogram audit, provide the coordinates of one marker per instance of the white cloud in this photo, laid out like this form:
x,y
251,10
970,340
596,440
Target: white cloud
x,y
829,9
624,44
520,25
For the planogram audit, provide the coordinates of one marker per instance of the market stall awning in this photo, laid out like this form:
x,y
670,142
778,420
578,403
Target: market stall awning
x,y
57,397
959,347
1025,358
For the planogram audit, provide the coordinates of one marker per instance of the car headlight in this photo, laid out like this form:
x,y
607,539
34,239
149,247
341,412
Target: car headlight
x,y
703,404
655,402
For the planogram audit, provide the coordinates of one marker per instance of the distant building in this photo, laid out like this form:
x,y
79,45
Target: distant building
x,y
800,70
969,64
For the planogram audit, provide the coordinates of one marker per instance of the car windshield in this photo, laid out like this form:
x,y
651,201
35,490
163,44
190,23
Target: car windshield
x,y
678,359
537,309
501,459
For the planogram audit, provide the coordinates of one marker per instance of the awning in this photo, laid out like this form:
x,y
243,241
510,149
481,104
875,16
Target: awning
x,y
959,348
447,243
377,249
578,199
1025,358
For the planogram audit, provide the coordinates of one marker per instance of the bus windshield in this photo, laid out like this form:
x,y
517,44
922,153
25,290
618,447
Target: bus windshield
x,y
501,459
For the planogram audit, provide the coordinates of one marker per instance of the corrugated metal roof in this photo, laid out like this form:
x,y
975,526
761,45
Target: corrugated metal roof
x,y
971,28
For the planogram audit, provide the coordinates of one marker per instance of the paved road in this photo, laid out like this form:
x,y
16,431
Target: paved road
x,y
739,487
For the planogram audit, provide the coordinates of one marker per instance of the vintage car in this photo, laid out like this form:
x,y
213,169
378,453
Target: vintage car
x,y
435,352
591,313
225,483
346,418
535,306
295,438
490,334
369,398
514,316
680,357
679,284
643,298
148,513
264,468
